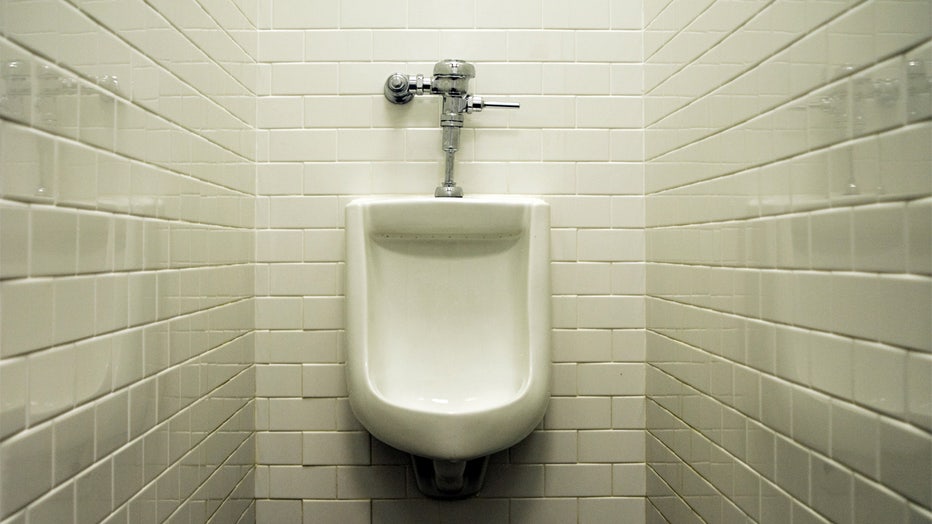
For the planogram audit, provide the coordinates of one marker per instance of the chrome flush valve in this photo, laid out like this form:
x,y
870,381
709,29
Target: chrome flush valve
x,y
451,81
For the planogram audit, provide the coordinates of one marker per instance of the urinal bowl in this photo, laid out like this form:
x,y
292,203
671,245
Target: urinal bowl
x,y
448,322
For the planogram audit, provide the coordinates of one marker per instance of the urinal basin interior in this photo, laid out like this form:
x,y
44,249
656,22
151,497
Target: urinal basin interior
x,y
451,333
448,321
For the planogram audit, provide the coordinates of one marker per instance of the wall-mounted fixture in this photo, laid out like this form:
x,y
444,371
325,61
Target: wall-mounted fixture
x,y
448,329
451,81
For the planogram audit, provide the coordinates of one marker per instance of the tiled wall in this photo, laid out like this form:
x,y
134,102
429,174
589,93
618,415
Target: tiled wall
x,y
789,223
126,239
327,134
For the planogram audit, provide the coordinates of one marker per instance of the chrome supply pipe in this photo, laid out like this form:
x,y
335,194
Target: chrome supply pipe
x,y
451,81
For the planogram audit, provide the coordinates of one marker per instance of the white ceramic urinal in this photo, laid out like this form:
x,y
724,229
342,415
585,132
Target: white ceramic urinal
x,y
448,326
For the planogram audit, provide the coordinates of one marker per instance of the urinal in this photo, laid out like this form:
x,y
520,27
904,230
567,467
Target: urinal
x,y
448,329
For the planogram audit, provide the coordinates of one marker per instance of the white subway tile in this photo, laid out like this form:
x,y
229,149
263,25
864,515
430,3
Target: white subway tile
x,y
370,145
279,112
304,212
627,145
508,144
337,448
278,380
54,242
919,389
73,443
831,239
880,377
810,413
27,467
302,144
627,211
855,438
302,279
792,353
269,511
832,365
338,111
588,14
563,379
546,447
408,45
919,96
14,241
581,345
478,44
793,469
610,312
891,309
775,504
628,345
442,15
905,453
323,312
77,175
832,490
324,245
610,379
92,369
344,44
610,46
513,15
281,46
299,14
533,46
279,246
919,236
336,511
629,480
541,178
355,482
579,211
543,510
95,243
627,79
74,308
878,97
346,178
365,14
323,380
297,482
611,446
575,145
628,14
904,161
576,79
880,240
776,404
579,413
575,480
14,400
27,312
56,506
873,502
304,79
301,414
